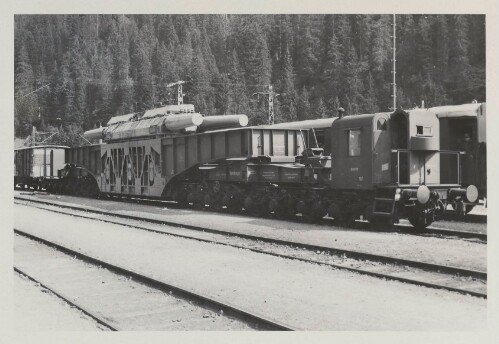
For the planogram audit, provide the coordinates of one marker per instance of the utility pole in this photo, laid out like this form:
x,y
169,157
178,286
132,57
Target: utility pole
x,y
271,95
180,94
394,71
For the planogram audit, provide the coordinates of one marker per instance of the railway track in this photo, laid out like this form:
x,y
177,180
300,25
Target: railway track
x,y
451,278
101,287
68,300
363,225
452,216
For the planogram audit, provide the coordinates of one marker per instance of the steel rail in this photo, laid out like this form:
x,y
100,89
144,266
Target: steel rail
x,y
68,300
351,254
401,228
312,247
449,215
228,309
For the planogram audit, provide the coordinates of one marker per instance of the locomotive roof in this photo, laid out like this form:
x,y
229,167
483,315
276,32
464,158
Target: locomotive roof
x,y
359,120
453,111
41,146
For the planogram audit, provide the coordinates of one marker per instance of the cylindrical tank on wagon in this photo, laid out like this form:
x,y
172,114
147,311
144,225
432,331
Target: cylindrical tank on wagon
x,y
94,134
308,124
182,121
223,122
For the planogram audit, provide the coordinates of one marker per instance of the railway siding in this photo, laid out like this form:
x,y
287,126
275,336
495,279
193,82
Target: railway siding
x,y
121,302
435,276
269,285
465,254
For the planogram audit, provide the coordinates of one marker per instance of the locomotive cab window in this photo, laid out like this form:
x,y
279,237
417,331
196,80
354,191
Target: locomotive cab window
x,y
423,131
381,124
354,142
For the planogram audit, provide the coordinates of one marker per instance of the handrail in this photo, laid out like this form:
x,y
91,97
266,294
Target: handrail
x,y
441,152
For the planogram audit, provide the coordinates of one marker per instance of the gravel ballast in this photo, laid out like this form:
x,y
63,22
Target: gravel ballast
x,y
304,295
460,253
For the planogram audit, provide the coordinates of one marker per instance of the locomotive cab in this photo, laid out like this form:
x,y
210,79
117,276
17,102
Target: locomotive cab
x,y
415,148
388,166
360,150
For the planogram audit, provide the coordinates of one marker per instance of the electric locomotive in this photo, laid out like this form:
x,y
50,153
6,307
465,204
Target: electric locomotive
x,y
388,166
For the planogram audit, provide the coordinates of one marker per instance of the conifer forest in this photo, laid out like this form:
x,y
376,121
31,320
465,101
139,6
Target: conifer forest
x,y
74,72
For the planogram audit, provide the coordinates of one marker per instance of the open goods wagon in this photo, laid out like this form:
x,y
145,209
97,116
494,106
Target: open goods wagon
x,y
37,166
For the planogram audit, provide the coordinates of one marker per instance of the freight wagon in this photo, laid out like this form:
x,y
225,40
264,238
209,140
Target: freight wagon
x,y
38,166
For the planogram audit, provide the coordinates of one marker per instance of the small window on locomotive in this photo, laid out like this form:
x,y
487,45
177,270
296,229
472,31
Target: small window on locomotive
x,y
354,142
381,124
425,131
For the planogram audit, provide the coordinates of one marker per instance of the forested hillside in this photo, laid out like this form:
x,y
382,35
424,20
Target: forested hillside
x,y
96,66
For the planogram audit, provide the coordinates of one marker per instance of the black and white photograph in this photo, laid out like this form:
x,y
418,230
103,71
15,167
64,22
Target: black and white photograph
x,y
285,170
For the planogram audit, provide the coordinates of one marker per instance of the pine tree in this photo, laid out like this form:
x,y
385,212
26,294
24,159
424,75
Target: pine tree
x,y
354,87
201,91
43,95
307,61
167,34
99,66
26,104
24,78
287,108
333,68
406,62
380,62
100,89
164,71
77,71
303,106
439,46
122,101
459,87
238,99
320,110
370,103
254,53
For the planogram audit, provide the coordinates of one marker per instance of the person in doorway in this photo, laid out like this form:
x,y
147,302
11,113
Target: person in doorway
x,y
468,160
468,146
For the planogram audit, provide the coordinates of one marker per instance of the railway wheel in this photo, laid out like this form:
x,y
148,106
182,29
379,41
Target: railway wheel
x,y
424,215
215,204
420,221
341,213
234,206
285,209
315,212
207,199
253,207
346,217
181,200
